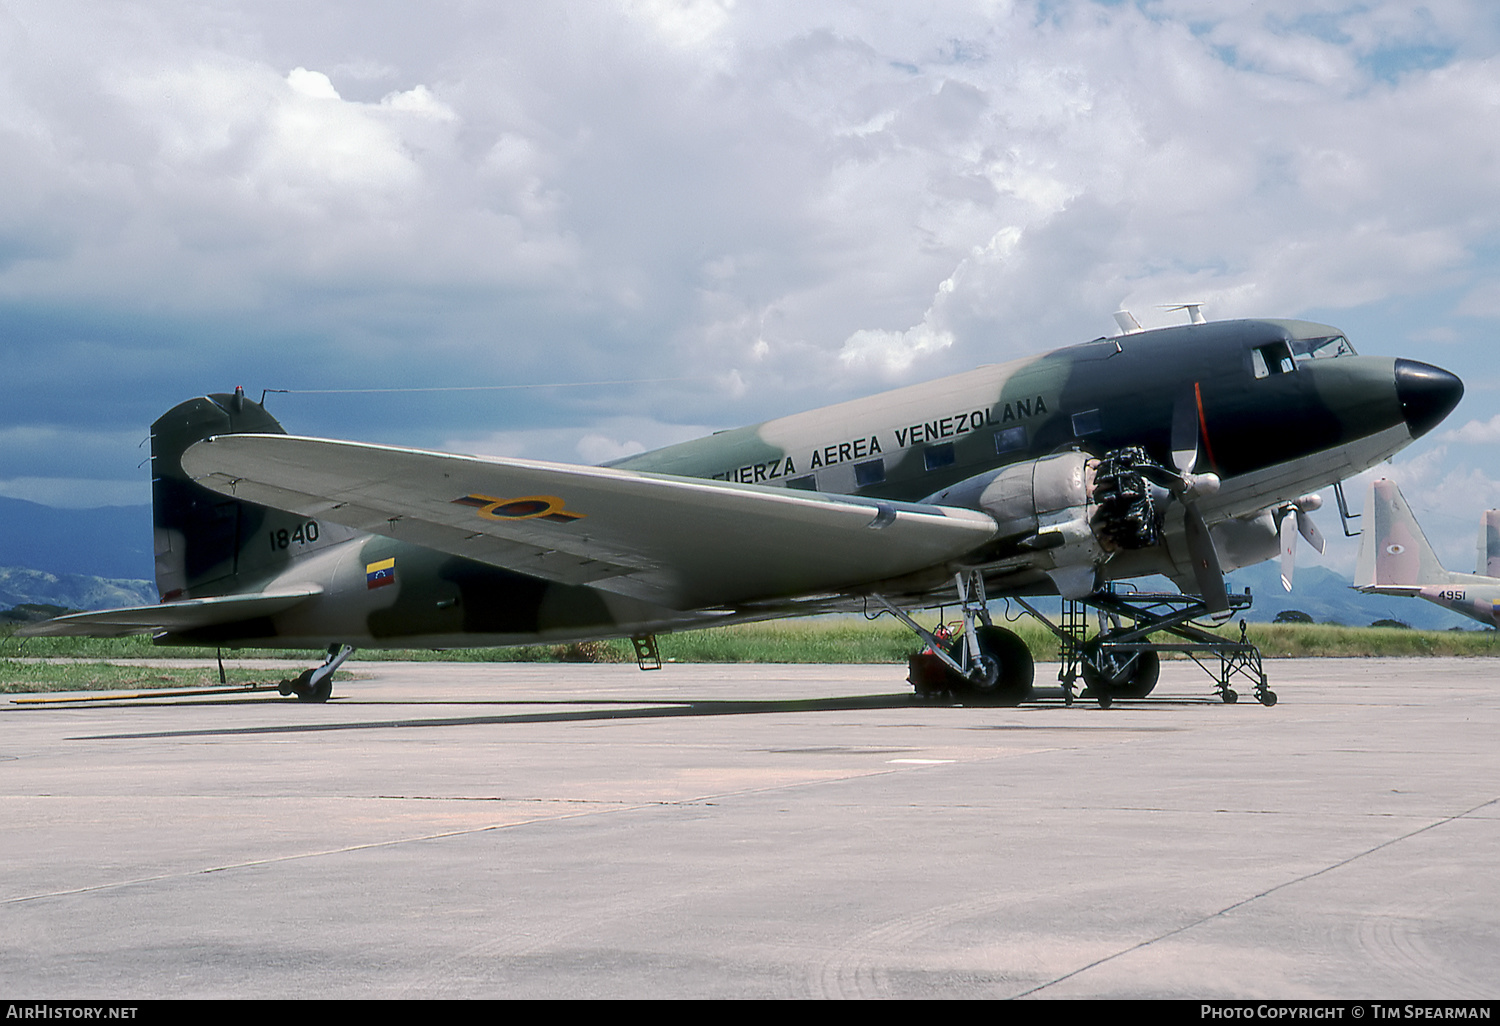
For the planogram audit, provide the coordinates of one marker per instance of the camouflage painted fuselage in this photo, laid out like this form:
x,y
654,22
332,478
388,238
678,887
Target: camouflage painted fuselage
x,y
1102,395
1273,425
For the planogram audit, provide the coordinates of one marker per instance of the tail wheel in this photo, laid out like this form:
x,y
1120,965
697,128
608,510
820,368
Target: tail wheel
x,y
307,689
1010,683
1121,674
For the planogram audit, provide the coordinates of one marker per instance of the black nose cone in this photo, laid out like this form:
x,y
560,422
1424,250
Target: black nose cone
x,y
1427,394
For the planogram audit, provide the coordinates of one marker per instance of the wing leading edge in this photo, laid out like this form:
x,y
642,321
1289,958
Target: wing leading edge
x,y
682,542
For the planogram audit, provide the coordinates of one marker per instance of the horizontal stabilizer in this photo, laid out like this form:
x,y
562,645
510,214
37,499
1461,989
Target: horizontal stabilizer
x,y
1389,589
168,616
686,543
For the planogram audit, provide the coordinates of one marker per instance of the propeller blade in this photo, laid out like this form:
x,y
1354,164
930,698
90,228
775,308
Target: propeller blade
x,y
1288,551
1310,531
1185,432
1206,569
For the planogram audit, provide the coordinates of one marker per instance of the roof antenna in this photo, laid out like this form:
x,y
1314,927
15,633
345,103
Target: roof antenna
x,y
1127,322
239,398
1194,311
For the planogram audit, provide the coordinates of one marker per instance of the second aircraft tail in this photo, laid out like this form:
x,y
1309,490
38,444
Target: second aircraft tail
x,y
1393,550
1489,544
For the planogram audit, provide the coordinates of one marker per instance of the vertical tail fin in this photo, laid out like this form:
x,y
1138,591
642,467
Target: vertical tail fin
x,y
1393,549
206,544
1489,544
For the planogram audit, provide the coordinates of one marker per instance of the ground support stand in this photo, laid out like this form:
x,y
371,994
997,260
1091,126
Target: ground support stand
x,y
1120,661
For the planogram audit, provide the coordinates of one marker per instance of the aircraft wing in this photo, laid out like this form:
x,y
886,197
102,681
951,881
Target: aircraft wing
x,y
168,616
686,543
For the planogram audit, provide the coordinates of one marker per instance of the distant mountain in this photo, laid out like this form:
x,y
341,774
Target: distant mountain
x,y
1316,591
1328,598
112,542
20,586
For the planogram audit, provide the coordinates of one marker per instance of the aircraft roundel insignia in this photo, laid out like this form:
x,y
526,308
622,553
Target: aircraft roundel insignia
x,y
1395,549
527,507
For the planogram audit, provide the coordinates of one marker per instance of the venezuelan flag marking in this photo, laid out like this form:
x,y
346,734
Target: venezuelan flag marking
x,y
378,575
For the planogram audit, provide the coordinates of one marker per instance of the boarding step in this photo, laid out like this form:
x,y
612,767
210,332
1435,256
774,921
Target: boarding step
x,y
647,655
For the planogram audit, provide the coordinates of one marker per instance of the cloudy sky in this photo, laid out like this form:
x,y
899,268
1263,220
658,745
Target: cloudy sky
x,y
724,210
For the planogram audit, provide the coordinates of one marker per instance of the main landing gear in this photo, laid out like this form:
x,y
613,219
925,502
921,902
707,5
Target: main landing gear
x,y
983,664
316,684
1119,661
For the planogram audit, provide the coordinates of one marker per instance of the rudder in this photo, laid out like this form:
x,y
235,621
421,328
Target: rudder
x,y
1489,544
207,544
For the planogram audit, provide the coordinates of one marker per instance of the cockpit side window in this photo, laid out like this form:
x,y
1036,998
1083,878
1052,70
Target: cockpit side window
x,y
1273,358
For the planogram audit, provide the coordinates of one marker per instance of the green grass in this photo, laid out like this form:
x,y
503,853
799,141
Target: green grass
x,y
1292,640
819,640
27,677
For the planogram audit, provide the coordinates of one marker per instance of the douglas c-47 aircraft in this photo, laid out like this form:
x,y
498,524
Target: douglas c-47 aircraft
x,y
1185,451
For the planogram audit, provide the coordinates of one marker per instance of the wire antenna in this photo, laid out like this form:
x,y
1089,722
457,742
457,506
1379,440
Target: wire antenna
x,y
464,388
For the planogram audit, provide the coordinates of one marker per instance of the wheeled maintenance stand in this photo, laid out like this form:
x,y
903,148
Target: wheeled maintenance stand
x,y
1120,661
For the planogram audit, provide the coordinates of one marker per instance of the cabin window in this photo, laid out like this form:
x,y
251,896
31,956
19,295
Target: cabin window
x,y
1087,422
935,457
806,483
1010,440
870,473
1275,358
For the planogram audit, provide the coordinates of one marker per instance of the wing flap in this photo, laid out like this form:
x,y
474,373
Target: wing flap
x,y
682,542
168,616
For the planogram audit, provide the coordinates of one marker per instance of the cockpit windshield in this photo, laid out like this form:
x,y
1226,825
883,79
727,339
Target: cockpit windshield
x,y
1326,347
1285,355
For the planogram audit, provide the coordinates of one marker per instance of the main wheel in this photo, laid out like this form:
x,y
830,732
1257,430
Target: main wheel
x,y
1121,674
1010,683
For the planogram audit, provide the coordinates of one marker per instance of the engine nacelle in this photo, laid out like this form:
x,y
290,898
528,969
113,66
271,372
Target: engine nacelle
x,y
1025,496
1046,505
1081,517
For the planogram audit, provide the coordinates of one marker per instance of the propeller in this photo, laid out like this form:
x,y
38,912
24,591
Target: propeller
x,y
1189,488
1297,514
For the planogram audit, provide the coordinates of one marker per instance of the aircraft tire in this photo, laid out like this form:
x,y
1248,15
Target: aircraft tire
x,y
306,691
300,685
1012,684
1130,675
